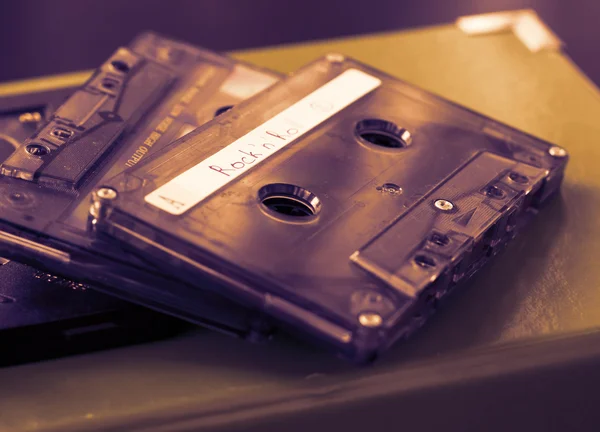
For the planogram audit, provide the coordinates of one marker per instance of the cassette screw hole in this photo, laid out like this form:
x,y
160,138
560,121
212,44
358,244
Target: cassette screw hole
x,y
109,83
390,188
62,133
370,319
444,205
557,152
494,192
518,178
106,193
37,150
289,201
222,110
17,197
120,66
382,133
424,261
439,239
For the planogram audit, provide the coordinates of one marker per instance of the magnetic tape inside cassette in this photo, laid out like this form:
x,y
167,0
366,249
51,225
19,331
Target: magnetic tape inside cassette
x,y
341,201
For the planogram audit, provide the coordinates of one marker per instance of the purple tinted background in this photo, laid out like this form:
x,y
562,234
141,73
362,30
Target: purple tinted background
x,y
46,37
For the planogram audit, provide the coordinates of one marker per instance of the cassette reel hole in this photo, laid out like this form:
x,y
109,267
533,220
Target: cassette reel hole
x,y
382,133
120,66
222,110
289,202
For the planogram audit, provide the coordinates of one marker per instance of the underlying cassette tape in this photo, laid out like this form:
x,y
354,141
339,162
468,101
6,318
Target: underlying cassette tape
x,y
21,115
342,202
42,315
141,99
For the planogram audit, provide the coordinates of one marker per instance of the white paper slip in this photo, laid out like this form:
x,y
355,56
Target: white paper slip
x,y
194,185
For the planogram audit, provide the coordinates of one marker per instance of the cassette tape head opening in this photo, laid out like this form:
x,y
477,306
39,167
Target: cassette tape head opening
x,y
341,201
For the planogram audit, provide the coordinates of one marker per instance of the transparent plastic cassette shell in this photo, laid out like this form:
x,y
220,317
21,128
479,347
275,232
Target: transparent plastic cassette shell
x,y
353,231
43,315
141,99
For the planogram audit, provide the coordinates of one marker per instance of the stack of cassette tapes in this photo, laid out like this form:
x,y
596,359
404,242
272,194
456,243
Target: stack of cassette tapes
x,y
338,203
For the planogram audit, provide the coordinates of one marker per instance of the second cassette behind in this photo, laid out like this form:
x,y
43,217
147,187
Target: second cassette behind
x,y
141,99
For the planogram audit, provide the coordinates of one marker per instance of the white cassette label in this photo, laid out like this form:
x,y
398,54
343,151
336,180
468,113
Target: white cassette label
x,y
194,185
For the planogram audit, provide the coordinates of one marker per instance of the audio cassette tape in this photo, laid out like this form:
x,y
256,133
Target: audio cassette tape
x,y
22,114
141,99
43,315
342,202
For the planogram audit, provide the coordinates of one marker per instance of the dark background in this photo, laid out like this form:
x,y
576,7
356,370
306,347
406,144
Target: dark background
x,y
42,37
